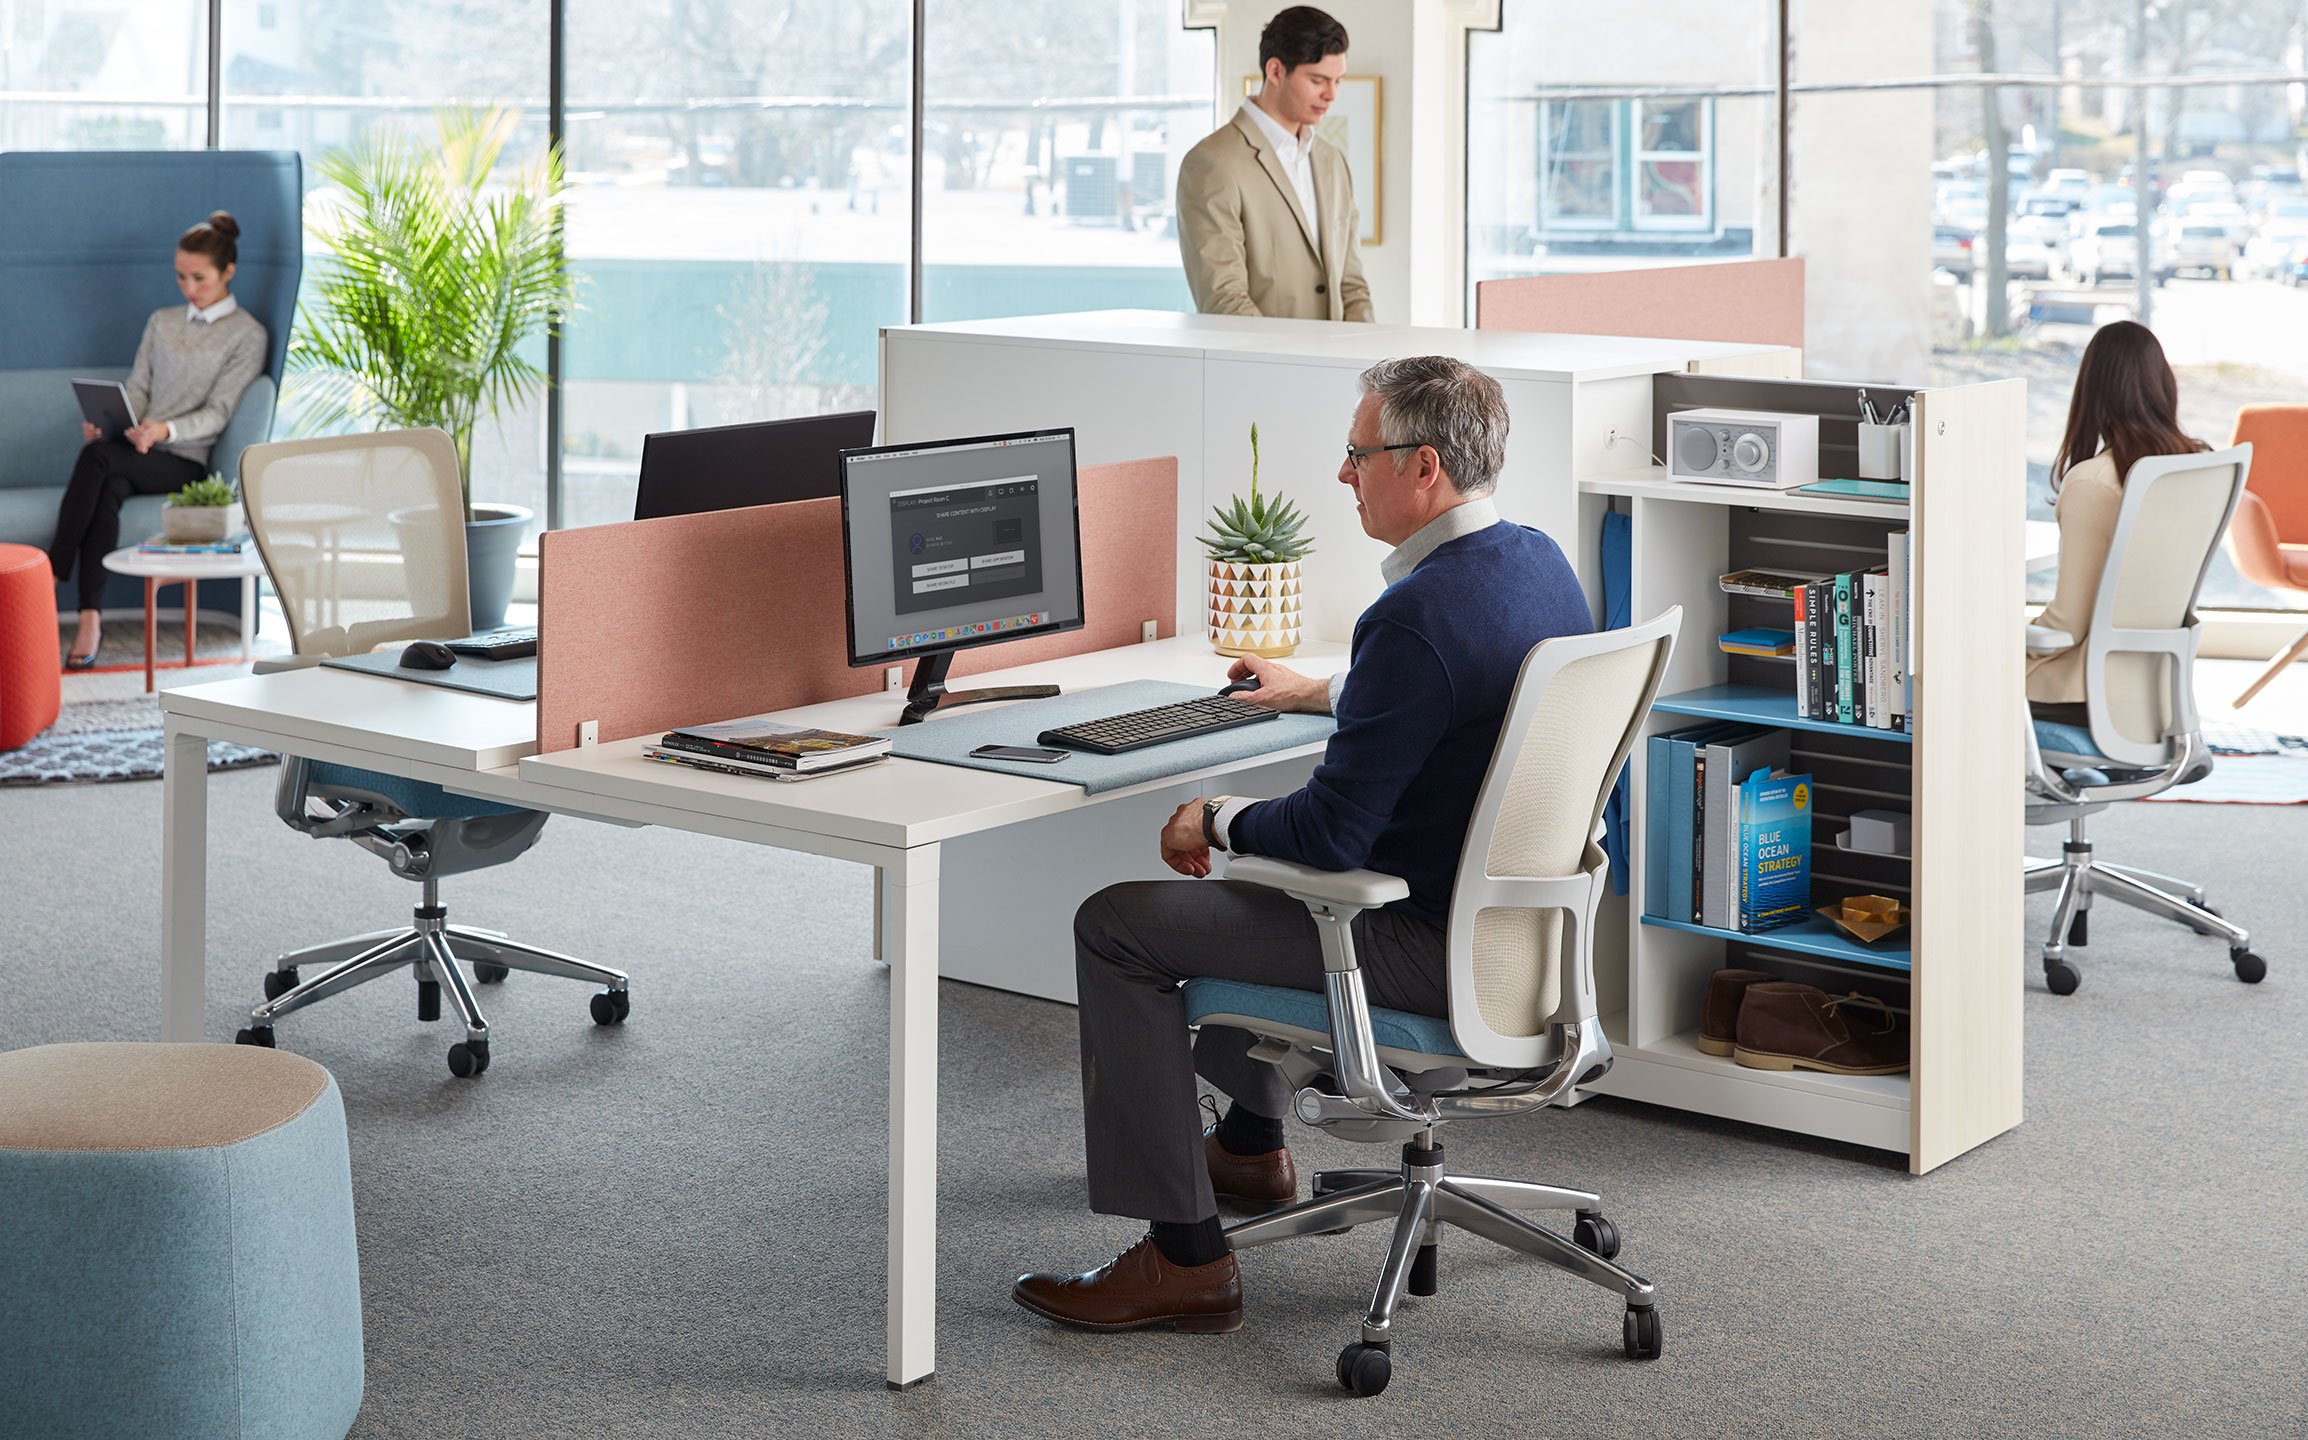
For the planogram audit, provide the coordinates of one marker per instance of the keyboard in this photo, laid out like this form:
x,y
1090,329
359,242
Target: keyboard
x,y
498,644
1181,720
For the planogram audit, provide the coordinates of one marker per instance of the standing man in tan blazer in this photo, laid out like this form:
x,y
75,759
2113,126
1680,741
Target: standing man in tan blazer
x,y
1267,223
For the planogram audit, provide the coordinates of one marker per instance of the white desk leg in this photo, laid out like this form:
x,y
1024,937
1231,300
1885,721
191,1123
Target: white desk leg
x,y
909,908
881,951
183,883
247,616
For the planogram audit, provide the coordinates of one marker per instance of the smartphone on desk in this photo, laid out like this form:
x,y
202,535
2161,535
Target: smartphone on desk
x,y
1032,753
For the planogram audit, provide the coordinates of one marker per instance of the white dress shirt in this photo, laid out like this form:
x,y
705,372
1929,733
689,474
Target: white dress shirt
x,y
1456,523
213,313
1297,160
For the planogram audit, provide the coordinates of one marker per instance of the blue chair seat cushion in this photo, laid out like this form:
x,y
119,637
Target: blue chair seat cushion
x,y
1307,1011
2071,749
417,799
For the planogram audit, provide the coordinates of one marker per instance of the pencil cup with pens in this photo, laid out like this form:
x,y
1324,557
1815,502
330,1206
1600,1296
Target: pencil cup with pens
x,y
1882,441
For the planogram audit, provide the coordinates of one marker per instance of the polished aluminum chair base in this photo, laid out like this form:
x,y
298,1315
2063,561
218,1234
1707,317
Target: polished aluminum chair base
x,y
2078,877
432,947
1420,1199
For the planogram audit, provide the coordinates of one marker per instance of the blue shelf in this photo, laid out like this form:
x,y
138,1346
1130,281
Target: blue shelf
x,y
1809,936
1762,705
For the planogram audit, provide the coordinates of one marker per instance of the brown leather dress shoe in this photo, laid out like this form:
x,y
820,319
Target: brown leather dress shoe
x,y
1719,1015
1789,1026
1138,1288
1262,1182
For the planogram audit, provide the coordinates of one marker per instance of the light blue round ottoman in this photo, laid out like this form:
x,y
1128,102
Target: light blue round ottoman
x,y
179,1255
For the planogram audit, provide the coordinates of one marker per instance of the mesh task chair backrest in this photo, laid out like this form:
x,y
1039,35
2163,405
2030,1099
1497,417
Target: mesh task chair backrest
x,y
2140,654
364,537
1577,709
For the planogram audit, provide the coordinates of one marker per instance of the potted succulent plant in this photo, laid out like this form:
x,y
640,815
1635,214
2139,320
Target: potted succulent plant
x,y
202,513
1255,588
440,272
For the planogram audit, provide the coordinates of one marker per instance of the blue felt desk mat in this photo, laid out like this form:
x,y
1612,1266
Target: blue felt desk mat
x,y
948,738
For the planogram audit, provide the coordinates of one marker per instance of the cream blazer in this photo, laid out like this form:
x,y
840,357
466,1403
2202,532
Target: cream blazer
x,y
1247,247
2089,500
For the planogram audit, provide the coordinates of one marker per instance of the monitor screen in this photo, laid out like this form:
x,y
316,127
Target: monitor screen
x,y
684,472
954,543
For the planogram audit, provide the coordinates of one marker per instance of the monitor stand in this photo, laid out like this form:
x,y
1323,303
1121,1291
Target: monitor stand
x,y
929,690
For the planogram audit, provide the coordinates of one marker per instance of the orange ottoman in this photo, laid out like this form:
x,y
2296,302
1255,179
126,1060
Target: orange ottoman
x,y
31,675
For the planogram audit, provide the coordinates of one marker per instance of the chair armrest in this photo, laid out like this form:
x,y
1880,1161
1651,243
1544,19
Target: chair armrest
x,y
2043,640
1348,889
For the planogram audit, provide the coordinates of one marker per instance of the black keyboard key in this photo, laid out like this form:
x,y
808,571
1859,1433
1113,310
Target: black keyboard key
x,y
1159,725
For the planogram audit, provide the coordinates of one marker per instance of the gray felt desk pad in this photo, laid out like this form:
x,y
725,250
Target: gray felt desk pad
x,y
505,679
948,738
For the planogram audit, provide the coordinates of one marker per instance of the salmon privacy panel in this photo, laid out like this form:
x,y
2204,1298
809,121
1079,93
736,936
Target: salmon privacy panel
x,y
689,619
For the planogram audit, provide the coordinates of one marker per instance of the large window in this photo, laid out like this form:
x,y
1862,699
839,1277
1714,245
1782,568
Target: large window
x,y
103,75
1604,136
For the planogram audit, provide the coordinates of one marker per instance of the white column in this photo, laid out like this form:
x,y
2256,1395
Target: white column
x,y
909,909
183,882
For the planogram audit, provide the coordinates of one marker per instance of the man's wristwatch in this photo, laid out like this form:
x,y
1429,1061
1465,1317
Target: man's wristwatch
x,y
1210,809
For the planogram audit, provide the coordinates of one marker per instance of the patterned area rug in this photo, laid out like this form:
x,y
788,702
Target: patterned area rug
x,y
2255,767
110,740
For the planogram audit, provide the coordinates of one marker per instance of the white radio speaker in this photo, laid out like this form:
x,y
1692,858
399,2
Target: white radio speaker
x,y
1743,447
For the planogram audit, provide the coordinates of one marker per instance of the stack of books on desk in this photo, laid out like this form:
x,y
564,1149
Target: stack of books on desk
x,y
162,545
768,749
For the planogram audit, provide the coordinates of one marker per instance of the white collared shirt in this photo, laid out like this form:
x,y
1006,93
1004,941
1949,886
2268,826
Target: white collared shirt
x,y
1456,523
1297,157
213,313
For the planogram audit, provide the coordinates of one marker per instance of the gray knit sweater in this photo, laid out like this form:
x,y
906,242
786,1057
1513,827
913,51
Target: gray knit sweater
x,y
191,373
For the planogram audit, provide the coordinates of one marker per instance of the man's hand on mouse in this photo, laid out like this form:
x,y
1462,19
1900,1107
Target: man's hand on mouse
x,y
1280,687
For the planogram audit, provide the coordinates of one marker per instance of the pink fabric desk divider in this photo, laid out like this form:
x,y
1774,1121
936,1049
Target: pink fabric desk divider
x,y
1753,302
653,624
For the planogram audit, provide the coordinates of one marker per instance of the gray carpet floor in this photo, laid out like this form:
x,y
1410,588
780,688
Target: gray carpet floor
x,y
675,1228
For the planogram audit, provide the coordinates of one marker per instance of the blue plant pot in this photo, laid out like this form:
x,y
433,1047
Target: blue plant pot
x,y
492,549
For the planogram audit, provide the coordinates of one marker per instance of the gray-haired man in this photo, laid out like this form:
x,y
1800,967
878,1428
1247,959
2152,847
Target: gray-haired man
x,y
1433,665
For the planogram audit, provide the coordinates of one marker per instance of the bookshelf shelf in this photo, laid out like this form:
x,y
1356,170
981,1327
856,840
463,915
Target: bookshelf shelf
x,y
1811,936
1761,705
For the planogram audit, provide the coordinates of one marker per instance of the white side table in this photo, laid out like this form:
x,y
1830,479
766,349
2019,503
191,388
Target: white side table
x,y
159,570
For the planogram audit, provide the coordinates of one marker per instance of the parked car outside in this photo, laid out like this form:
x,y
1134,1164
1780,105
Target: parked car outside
x,y
1951,249
2273,253
2199,243
2105,248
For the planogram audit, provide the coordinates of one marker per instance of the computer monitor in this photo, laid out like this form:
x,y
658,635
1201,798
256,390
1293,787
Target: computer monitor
x,y
953,543
727,467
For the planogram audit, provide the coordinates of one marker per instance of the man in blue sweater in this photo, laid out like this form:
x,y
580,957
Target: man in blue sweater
x,y
1433,666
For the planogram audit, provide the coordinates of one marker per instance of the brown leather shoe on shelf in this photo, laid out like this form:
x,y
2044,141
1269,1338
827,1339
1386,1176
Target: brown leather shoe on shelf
x,y
1719,1016
1787,1026
1138,1288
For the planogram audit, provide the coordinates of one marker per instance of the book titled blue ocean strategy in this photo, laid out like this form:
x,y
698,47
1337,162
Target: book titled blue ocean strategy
x,y
1774,850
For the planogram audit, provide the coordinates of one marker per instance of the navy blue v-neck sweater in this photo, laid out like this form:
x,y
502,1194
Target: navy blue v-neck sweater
x,y
1433,665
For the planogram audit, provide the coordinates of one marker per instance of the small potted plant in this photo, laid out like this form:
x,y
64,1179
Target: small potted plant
x,y
1255,589
202,513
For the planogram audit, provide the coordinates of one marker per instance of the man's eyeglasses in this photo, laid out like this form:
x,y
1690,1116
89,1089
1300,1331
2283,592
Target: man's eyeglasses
x,y
1356,454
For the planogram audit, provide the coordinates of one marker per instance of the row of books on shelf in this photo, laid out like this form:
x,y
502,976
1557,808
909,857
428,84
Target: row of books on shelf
x,y
162,545
1727,829
767,749
1849,641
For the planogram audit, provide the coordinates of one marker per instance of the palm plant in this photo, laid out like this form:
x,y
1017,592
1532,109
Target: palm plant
x,y
437,277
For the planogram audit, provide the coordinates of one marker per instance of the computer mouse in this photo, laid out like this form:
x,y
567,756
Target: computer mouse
x,y
428,655
1240,685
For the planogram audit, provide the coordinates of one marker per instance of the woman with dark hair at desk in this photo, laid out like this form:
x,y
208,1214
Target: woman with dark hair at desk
x,y
2125,409
191,369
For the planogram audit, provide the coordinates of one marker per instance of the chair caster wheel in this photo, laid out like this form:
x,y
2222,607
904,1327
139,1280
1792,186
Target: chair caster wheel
x,y
468,1058
2061,977
279,982
1424,1281
2080,928
610,1007
256,1035
1364,1369
489,972
428,1000
2250,968
1642,1332
1596,1234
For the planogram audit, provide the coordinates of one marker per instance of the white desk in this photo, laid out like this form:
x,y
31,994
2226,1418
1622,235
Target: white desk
x,y
898,817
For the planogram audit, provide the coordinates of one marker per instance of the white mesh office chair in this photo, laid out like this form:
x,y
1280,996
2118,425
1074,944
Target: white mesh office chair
x,y
364,538
2139,680
1522,1030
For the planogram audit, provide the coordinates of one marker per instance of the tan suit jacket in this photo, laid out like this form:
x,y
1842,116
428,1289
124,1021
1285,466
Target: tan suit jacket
x,y
2090,498
1247,246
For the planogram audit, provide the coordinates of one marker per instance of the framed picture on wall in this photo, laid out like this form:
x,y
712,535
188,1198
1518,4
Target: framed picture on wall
x,y
1356,124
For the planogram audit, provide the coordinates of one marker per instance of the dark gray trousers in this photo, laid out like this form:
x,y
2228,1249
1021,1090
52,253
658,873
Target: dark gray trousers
x,y
1134,946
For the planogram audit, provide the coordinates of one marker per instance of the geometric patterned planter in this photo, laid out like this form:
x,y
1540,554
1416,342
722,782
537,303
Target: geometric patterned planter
x,y
1255,609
